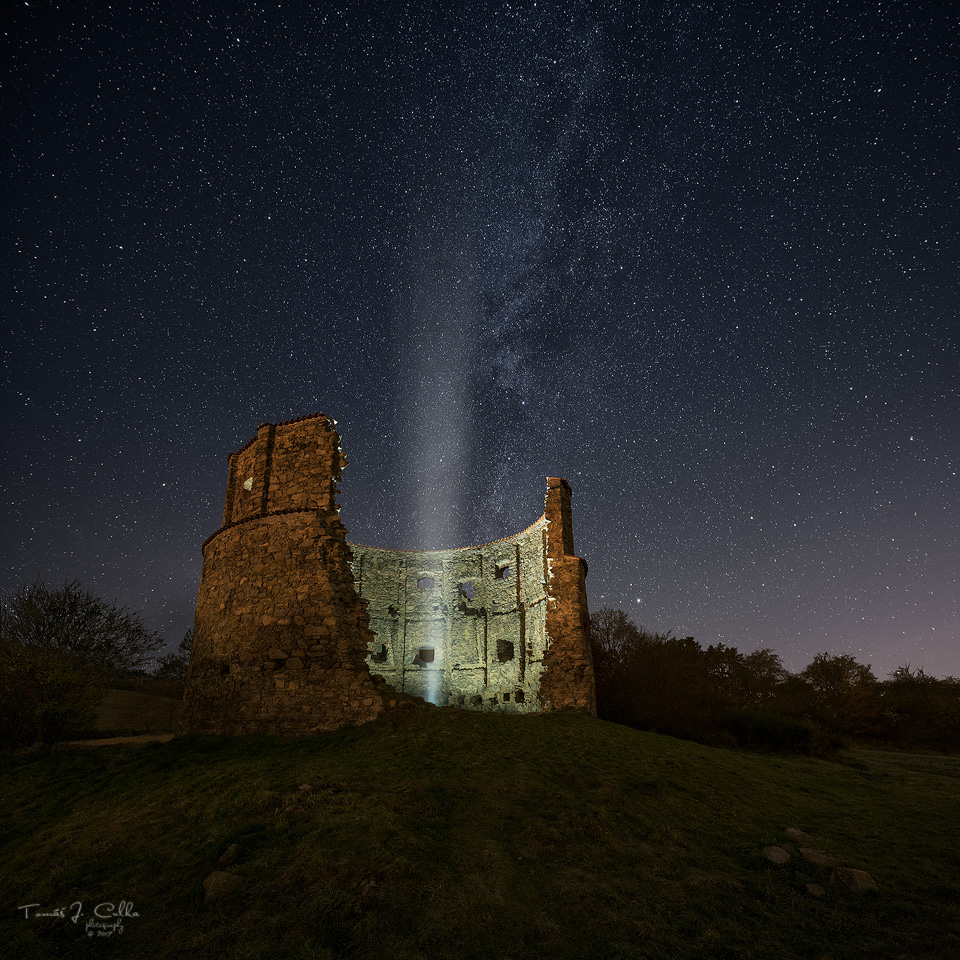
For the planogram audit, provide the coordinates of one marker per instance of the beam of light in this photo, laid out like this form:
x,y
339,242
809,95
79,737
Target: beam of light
x,y
439,355
500,284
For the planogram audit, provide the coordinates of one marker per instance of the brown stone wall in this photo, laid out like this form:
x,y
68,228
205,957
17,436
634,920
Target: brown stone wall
x,y
568,679
300,479
280,634
286,466
247,469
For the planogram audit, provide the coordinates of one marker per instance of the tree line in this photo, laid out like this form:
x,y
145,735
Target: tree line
x,y
718,695
60,649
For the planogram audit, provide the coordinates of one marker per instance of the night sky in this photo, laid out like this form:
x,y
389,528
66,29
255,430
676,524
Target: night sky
x,y
701,260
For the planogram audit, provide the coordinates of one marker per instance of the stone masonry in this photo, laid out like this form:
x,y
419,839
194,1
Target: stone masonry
x,y
478,627
298,631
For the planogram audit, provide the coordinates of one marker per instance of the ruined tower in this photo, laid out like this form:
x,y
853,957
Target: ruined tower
x,y
293,623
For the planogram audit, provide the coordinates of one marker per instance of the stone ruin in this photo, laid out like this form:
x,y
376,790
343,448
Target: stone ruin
x,y
298,631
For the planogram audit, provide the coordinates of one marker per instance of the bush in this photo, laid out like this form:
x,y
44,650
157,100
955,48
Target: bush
x,y
654,681
767,730
720,697
174,666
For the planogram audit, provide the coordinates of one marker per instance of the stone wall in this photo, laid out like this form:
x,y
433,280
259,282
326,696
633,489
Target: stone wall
x,y
280,636
568,679
500,626
465,627
284,643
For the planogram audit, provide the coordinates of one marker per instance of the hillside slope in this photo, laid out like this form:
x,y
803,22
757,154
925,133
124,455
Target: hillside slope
x,y
462,835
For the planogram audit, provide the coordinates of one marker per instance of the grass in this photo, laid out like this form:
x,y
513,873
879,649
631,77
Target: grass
x,y
463,835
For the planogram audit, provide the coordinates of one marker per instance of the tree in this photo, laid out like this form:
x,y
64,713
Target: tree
x,y
725,665
174,665
844,694
613,636
764,674
718,695
651,681
57,647
920,710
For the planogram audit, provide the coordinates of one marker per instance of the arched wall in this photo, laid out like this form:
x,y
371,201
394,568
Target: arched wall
x,y
519,644
480,611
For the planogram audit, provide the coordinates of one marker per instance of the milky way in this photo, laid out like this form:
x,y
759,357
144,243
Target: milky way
x,y
700,260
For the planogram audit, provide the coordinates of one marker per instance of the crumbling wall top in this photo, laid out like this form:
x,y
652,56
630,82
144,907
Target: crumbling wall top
x,y
287,467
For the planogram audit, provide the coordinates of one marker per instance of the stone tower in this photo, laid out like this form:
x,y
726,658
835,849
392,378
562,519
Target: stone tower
x,y
282,639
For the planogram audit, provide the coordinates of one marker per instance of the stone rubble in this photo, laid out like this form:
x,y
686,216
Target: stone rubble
x,y
219,885
775,854
857,881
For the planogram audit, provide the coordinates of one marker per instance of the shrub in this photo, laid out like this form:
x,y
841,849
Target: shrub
x,y
768,730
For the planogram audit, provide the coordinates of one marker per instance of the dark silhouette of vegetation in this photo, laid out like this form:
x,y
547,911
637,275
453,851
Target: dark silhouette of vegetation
x,y
917,710
174,665
842,695
638,675
720,696
59,647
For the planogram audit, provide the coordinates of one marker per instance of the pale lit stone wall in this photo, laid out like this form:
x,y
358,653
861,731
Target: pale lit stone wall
x,y
465,627
501,626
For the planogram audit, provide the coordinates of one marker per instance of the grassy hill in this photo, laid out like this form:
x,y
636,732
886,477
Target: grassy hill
x,y
461,835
